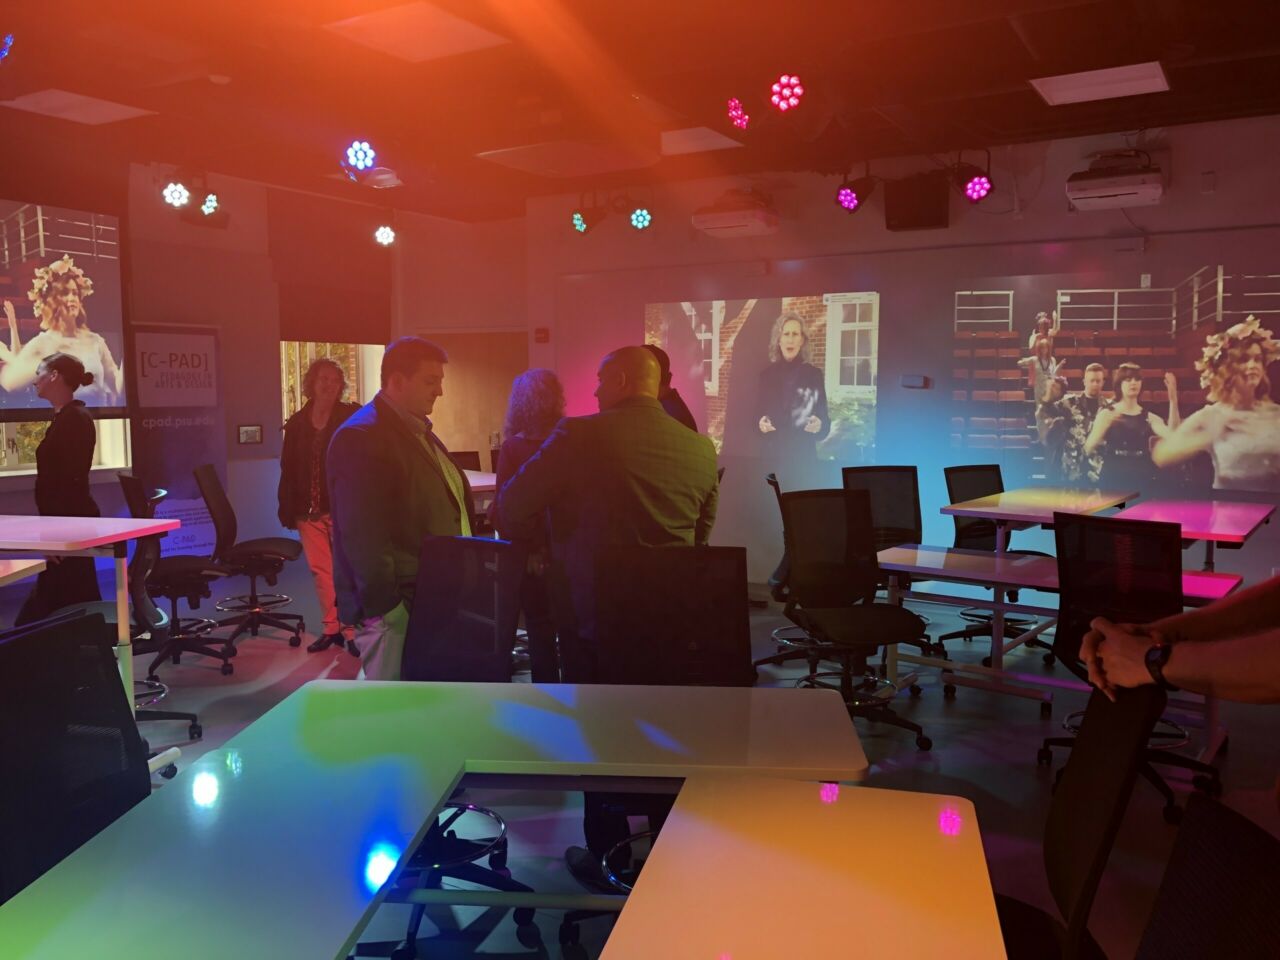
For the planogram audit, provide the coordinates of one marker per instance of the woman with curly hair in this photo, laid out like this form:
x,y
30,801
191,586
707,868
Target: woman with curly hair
x,y
57,296
535,407
1240,426
792,396
304,488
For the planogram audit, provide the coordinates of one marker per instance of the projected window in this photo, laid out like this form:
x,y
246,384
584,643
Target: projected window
x,y
706,323
852,339
361,362
18,442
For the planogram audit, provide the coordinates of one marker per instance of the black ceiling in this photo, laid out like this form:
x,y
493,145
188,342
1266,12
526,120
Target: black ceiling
x,y
883,78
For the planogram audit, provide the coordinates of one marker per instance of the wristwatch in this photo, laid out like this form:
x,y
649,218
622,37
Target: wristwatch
x,y
1157,659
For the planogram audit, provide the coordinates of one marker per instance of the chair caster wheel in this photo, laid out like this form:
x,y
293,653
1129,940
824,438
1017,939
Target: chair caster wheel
x,y
523,916
406,951
152,678
228,669
1050,659
568,934
169,772
949,691
1046,710
923,743
1172,814
1209,786
295,641
233,652
498,861
528,935
915,691
1044,757
986,661
195,731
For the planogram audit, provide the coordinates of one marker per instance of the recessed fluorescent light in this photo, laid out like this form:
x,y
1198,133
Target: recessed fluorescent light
x,y
75,107
416,32
1108,84
694,140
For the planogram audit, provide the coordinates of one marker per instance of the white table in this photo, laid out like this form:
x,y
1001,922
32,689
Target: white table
x,y
1032,506
12,571
484,489
1002,573
87,537
1213,521
754,869
260,849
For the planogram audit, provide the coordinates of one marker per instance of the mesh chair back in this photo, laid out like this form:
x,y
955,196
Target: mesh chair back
x,y
221,512
830,547
1219,891
895,502
466,459
73,758
1091,798
969,483
146,553
462,623
674,616
1129,571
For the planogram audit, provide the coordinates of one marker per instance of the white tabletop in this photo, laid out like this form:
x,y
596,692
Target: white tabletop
x,y
11,570
1038,504
1025,571
1215,520
260,849
69,534
482,481
752,869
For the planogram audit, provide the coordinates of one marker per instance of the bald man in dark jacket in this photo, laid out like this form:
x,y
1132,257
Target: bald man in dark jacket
x,y
630,475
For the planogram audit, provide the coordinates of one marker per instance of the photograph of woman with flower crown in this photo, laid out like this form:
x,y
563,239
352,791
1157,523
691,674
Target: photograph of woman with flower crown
x,y
56,298
1239,426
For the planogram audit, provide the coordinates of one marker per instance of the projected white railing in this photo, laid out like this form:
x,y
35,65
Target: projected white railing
x,y
1117,308
32,232
989,309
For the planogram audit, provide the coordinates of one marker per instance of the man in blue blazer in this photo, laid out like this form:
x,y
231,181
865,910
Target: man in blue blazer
x,y
391,483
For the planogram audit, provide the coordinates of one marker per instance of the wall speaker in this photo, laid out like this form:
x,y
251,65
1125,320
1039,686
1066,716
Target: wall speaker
x,y
920,202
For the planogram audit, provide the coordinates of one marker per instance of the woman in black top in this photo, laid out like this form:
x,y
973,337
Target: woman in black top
x,y
63,460
1126,432
792,397
535,407
304,487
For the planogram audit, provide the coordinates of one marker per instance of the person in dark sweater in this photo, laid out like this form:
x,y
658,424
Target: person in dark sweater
x,y
535,407
63,460
668,395
792,396
304,487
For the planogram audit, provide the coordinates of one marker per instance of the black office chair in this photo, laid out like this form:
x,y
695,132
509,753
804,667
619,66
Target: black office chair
x,y
1220,890
264,557
1129,571
1081,828
792,642
149,631
466,459
694,628
461,627
73,758
971,482
895,511
831,581
173,577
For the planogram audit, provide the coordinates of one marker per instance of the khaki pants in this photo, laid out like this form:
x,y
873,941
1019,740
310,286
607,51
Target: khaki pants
x,y
317,544
381,643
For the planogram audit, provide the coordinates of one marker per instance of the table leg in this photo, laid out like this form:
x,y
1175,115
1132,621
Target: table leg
x,y
124,645
1002,536
997,629
891,649
1208,555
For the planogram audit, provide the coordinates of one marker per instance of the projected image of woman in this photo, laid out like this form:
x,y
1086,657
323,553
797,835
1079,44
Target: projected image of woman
x,y
1043,366
57,296
792,395
1126,430
1240,426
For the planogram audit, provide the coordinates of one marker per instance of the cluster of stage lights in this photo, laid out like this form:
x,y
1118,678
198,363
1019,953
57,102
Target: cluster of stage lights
x,y
360,155
974,182
785,95
177,195
385,235
586,219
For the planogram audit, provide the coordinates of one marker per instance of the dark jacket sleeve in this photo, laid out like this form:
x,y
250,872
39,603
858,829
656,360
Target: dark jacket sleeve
x,y
364,517
676,408
543,479
285,494
707,516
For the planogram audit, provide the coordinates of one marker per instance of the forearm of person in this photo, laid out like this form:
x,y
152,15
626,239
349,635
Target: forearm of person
x,y
19,370
1243,669
1255,608
539,482
1095,438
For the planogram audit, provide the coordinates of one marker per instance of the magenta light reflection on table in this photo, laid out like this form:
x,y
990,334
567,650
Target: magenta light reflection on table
x,y
1220,521
829,792
950,822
